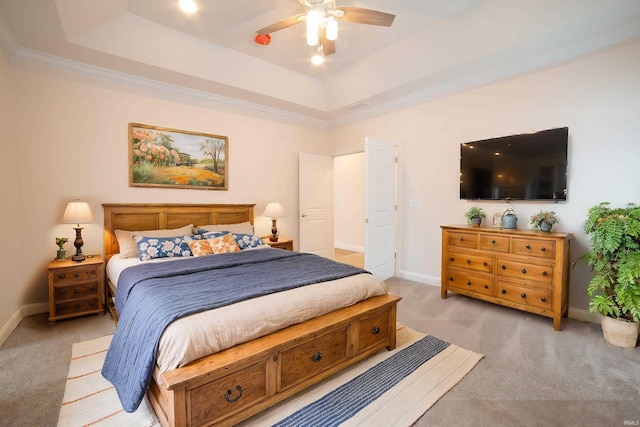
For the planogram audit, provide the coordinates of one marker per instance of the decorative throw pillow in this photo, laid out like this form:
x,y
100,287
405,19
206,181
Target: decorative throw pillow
x,y
200,247
223,244
248,241
163,247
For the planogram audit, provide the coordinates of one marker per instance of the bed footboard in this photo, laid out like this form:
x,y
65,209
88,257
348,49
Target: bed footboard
x,y
228,387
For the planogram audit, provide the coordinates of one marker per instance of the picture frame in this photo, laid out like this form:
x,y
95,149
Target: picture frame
x,y
173,158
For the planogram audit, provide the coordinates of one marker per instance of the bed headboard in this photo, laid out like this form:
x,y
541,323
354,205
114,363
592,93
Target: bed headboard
x,y
139,217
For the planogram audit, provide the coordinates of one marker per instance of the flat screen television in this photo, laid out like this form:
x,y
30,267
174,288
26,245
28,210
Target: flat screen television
x,y
530,166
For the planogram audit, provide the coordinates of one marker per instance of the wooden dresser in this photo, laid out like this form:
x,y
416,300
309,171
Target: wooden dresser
x,y
523,269
75,288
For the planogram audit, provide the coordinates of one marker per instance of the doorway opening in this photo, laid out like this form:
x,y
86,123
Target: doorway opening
x,y
349,208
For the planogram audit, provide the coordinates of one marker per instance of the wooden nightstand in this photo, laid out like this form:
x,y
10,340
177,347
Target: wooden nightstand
x,y
282,243
75,288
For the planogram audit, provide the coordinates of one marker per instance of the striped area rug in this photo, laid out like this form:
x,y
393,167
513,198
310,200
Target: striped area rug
x,y
401,385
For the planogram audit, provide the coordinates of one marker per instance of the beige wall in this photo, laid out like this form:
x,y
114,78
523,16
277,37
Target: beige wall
x,y
597,97
14,248
72,143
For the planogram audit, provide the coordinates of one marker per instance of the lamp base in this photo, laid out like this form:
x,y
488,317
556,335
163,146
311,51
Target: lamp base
x,y
78,257
274,231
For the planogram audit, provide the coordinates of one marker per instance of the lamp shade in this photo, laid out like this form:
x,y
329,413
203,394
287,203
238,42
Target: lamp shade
x,y
77,212
274,210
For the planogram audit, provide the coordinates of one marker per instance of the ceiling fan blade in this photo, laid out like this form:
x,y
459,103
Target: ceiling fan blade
x,y
366,16
328,46
281,25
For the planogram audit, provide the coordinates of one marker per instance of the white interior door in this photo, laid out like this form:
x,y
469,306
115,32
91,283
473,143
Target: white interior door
x,y
315,199
380,208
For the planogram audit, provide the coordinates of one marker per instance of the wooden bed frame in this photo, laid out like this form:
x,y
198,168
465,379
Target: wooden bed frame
x,y
230,386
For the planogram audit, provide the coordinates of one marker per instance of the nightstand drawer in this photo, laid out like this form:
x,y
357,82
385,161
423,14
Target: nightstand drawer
x,y
76,274
75,291
77,306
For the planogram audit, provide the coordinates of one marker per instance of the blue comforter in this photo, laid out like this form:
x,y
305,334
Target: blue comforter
x,y
150,296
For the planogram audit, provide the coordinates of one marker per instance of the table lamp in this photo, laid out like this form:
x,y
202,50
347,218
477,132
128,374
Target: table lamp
x,y
274,210
78,212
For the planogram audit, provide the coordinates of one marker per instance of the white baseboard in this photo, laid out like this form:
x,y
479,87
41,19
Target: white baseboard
x,y
24,311
348,247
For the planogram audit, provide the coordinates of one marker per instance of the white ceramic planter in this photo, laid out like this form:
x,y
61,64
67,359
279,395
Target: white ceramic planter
x,y
619,333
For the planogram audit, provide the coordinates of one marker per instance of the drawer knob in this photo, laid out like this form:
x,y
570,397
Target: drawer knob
x,y
493,242
504,267
468,261
451,279
462,239
524,271
375,330
504,291
543,249
77,305
452,259
91,287
543,299
75,274
523,295
468,282
76,290
233,399
528,246
63,291
62,276
544,273
486,286
317,357
485,263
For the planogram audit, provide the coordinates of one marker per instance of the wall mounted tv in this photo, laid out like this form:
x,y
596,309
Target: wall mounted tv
x,y
530,166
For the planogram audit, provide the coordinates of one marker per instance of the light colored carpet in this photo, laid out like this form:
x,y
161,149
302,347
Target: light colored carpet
x,y
91,400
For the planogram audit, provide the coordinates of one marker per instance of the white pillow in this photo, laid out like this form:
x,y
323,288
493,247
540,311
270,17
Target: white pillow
x,y
128,247
241,228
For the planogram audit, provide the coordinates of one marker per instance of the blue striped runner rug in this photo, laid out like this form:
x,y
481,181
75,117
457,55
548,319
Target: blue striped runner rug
x,y
345,401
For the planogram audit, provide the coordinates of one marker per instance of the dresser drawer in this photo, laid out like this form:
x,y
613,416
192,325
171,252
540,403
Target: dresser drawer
x,y
462,240
231,393
373,330
74,291
75,274
533,297
470,262
529,247
311,358
77,306
493,243
470,282
525,271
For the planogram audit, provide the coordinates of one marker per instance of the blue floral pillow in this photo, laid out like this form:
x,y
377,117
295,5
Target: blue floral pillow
x,y
246,241
163,247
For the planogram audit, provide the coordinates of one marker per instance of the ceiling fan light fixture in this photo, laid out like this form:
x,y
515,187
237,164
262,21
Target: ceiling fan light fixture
x,y
313,25
188,6
331,30
317,59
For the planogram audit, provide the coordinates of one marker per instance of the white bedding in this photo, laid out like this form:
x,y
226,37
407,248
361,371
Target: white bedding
x,y
198,335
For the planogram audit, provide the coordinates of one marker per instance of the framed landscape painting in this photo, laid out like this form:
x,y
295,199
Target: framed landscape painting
x,y
171,158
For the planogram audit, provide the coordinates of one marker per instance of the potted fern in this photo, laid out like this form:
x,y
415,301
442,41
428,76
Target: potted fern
x,y
475,215
615,258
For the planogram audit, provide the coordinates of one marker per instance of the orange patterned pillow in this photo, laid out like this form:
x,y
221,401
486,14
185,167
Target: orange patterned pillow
x,y
200,247
223,244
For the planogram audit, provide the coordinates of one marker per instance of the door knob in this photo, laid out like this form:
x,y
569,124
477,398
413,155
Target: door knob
x,y
303,215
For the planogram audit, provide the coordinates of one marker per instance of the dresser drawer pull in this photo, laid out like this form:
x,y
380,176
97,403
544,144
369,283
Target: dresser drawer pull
x,y
375,330
485,263
504,267
91,287
451,279
468,261
234,399
528,246
76,305
504,291
543,299
76,290
452,259
544,273
486,286
523,295
317,357
524,271
462,239
75,274
61,276
543,249
63,291
493,242
468,282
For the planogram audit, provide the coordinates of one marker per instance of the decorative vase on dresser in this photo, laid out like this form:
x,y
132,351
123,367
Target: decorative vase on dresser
x,y
522,269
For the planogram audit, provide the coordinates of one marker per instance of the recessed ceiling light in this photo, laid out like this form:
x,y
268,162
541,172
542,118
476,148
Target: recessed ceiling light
x,y
188,6
317,59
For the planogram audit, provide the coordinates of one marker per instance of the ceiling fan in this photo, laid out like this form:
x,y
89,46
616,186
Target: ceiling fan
x,y
322,27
